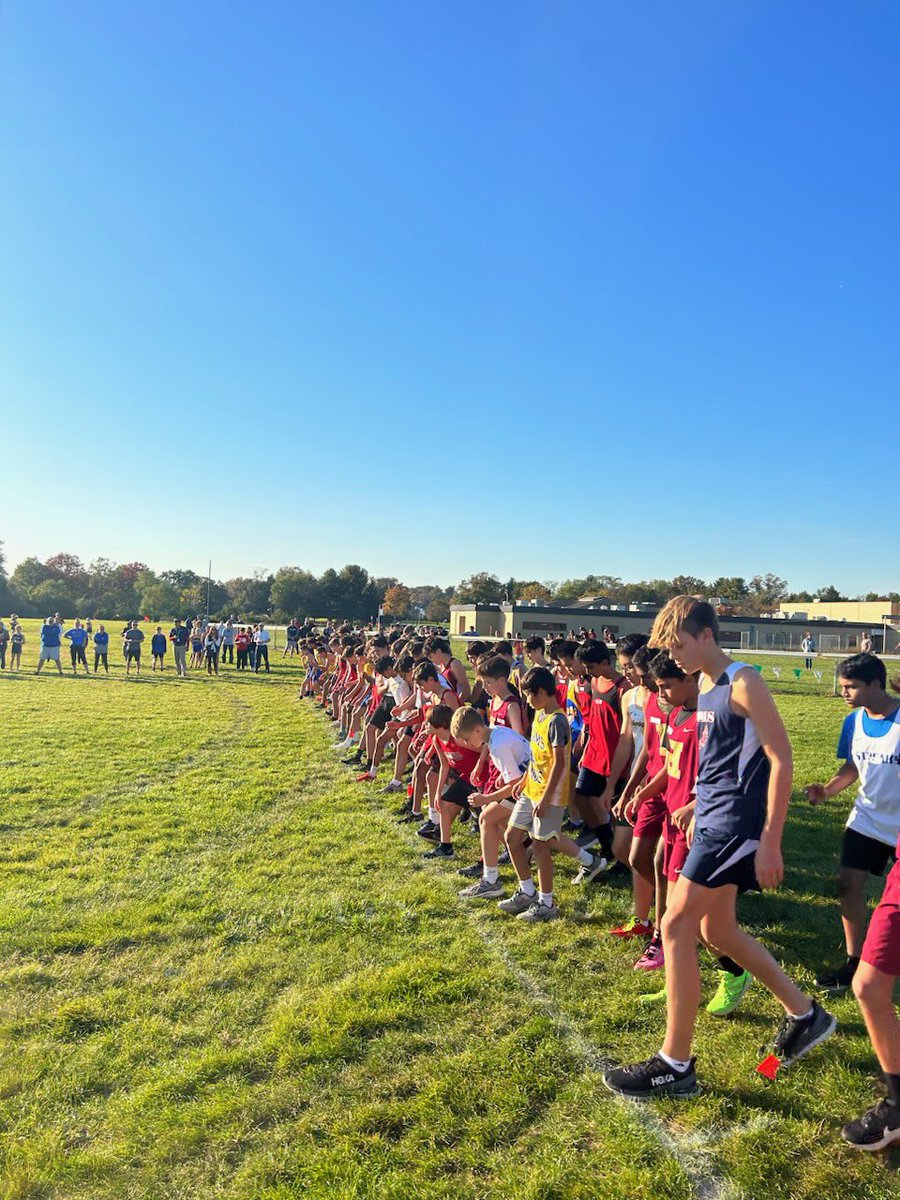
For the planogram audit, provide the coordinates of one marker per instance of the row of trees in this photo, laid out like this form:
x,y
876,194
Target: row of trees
x,y
64,584
760,594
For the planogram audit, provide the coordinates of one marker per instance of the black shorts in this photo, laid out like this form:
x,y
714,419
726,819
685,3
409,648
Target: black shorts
x,y
715,860
589,783
133,652
859,852
458,792
382,714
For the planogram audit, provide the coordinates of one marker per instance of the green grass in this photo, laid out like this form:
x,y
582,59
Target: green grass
x,y
226,973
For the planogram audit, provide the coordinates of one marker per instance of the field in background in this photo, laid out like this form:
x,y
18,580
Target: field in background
x,y
227,973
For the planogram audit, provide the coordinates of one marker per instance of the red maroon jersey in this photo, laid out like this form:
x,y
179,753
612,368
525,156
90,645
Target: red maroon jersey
x,y
498,712
682,758
604,725
462,760
654,727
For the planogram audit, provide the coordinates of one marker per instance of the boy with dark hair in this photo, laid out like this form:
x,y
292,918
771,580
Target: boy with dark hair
x,y
439,652
449,792
541,798
743,791
603,729
869,746
158,647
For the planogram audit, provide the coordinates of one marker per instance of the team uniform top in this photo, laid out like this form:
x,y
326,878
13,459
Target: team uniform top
x,y
654,727
577,704
548,730
462,760
733,775
681,753
498,710
873,746
634,702
604,725
510,752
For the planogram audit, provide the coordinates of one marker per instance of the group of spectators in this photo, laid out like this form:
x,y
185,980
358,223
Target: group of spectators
x,y
245,646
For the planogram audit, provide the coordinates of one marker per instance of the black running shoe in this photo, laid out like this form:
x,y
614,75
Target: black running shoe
x,y
439,851
654,1077
797,1037
837,981
504,859
474,872
587,838
352,760
618,869
874,1130
410,819
429,831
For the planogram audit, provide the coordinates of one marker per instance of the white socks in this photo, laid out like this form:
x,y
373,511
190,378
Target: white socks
x,y
675,1063
527,886
492,874
546,898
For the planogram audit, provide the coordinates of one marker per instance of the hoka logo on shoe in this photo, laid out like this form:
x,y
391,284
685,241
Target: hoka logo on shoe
x,y
659,1080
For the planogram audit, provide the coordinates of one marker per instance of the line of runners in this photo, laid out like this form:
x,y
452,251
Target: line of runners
x,y
677,768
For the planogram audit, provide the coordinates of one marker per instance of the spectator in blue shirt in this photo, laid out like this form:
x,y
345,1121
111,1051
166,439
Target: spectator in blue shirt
x,y
101,649
78,640
50,639
158,647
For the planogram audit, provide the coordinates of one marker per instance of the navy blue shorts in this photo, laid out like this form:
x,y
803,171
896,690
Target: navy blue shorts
x,y
590,783
715,860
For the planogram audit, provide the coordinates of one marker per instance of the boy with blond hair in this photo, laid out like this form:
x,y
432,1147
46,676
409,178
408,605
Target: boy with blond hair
x,y
743,789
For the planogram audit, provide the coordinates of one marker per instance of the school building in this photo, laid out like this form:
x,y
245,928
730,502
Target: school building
x,y
782,631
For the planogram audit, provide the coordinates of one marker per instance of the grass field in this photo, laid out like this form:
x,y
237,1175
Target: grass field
x,y
227,973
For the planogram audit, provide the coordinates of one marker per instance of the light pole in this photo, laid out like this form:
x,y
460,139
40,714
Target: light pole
x,y
208,581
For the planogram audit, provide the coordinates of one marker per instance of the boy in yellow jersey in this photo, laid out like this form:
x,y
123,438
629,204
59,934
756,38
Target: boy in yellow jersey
x,y
541,797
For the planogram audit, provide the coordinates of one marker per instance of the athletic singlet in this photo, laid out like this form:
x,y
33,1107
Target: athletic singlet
x,y
635,711
733,776
604,727
500,714
654,726
680,746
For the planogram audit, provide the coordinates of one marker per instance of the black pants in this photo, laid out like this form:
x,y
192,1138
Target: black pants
x,y
241,660
227,653
262,652
101,658
78,656
3,656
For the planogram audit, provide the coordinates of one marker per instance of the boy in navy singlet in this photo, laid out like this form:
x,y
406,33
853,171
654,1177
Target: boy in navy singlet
x,y
743,789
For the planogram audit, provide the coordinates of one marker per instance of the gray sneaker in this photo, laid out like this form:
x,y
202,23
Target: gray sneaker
x,y
540,912
517,904
482,890
592,870
393,786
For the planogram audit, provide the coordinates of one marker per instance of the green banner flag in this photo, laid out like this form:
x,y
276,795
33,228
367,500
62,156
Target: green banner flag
x,y
797,672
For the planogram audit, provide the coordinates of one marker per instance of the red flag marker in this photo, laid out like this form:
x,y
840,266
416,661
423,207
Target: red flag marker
x,y
769,1067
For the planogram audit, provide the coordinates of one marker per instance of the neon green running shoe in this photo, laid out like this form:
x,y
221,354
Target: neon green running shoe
x,y
729,992
652,998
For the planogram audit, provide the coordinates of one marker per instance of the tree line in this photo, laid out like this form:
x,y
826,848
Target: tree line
x,y
761,593
64,584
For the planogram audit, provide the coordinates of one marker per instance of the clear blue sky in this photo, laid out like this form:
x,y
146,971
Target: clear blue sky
x,y
539,288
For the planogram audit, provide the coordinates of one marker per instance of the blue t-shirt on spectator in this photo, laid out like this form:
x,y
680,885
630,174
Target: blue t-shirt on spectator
x,y
101,642
158,643
50,635
78,637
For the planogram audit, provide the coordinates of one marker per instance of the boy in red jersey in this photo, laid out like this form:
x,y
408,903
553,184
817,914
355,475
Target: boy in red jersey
x,y
438,651
452,787
603,728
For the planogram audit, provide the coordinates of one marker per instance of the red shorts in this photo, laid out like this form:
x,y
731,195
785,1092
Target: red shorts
x,y
651,817
675,851
881,949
